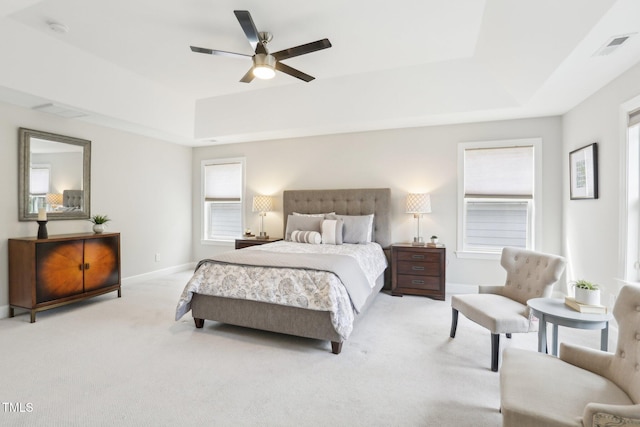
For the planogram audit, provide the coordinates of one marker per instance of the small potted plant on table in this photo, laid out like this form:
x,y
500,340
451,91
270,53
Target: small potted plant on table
x,y
99,222
587,292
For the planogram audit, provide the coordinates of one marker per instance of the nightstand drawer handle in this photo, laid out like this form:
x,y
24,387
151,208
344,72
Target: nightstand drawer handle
x,y
417,282
417,268
417,256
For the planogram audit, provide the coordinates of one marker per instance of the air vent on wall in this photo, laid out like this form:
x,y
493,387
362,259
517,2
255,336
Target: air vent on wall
x,y
612,44
60,110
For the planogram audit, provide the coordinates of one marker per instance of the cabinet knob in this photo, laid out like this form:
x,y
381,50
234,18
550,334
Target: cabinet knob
x,y
417,282
417,268
415,256
86,266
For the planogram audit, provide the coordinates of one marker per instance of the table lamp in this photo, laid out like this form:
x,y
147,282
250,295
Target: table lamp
x,y
418,204
262,204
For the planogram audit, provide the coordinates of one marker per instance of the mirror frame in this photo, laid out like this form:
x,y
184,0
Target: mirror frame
x,y
24,163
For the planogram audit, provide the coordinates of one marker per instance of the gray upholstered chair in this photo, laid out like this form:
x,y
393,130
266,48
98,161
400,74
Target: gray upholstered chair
x,y
503,309
584,387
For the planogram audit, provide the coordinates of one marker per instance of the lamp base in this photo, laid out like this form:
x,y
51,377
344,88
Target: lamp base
x,y
417,241
263,236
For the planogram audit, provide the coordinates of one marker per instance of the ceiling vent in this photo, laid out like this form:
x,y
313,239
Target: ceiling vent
x,y
59,110
612,44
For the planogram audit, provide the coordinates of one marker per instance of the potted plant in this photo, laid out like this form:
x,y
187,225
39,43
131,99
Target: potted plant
x,y
434,239
99,222
586,292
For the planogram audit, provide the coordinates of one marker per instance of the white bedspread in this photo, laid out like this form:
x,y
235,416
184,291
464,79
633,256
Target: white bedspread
x,y
310,289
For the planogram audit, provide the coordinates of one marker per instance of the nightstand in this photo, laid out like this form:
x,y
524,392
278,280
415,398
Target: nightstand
x,y
252,241
417,270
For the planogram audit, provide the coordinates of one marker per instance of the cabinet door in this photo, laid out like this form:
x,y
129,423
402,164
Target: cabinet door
x,y
58,270
101,263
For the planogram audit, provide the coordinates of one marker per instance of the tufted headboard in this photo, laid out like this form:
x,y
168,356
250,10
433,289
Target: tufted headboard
x,y
359,201
72,198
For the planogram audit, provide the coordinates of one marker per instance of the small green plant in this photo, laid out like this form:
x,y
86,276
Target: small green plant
x,y
99,219
584,284
434,237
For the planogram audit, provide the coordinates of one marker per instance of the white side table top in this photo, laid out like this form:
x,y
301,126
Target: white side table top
x,y
556,308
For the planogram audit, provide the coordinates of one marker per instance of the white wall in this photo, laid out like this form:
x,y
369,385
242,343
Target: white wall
x,y
592,237
405,160
143,184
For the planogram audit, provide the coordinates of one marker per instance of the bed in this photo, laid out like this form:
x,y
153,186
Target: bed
x,y
290,319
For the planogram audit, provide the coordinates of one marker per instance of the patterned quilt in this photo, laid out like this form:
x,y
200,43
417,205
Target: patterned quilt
x,y
297,287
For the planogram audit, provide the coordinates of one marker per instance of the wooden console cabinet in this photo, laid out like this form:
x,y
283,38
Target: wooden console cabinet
x,y
48,273
418,270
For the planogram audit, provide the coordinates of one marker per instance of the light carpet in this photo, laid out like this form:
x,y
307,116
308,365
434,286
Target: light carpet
x,y
125,361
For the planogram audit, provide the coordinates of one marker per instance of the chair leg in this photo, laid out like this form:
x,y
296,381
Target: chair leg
x,y
454,322
495,351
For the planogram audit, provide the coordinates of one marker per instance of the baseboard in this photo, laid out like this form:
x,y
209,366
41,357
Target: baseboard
x,y
158,273
4,311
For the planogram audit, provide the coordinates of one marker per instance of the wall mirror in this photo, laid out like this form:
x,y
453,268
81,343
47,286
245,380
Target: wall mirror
x,y
55,176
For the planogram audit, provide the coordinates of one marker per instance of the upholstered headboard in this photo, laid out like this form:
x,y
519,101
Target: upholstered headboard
x,y
359,201
72,198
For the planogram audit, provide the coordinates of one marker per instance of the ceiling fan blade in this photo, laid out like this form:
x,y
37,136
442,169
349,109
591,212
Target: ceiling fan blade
x,y
247,77
302,49
249,28
293,72
219,52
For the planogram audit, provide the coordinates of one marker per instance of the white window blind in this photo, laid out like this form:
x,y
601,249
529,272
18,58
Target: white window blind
x,y
498,172
39,180
223,188
498,194
223,182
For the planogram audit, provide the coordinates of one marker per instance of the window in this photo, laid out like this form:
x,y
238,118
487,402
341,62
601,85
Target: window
x,y
222,201
632,234
39,184
497,191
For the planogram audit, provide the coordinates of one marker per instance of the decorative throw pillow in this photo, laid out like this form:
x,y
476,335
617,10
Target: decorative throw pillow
x,y
357,228
299,222
312,237
332,231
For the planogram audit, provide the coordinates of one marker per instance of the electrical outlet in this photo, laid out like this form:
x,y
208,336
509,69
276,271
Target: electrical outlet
x,y
157,257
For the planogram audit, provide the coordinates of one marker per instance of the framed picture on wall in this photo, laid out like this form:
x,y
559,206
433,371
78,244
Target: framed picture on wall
x,y
583,170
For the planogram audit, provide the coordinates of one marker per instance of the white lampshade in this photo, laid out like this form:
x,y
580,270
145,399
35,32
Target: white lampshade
x,y
418,203
262,203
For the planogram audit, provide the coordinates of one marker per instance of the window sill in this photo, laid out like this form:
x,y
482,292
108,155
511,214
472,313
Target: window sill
x,y
478,255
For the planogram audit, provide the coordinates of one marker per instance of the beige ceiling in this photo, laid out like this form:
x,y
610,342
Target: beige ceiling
x,y
127,64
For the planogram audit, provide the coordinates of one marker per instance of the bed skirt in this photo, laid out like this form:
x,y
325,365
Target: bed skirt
x,y
273,317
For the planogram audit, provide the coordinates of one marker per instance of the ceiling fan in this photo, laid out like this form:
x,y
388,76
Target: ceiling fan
x,y
265,63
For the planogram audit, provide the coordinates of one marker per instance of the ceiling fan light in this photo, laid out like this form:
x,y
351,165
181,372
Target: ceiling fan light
x,y
264,66
264,72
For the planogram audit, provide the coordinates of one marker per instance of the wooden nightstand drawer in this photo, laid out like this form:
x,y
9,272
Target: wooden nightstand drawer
x,y
419,282
404,255
418,270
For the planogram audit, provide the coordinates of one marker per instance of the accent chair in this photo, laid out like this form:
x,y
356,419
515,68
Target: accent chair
x,y
584,386
503,309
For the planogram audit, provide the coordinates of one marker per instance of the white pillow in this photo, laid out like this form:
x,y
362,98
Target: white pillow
x,y
312,237
332,231
357,228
